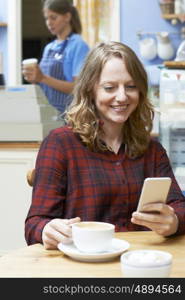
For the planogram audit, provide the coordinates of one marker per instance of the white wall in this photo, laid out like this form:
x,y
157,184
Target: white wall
x,y
14,42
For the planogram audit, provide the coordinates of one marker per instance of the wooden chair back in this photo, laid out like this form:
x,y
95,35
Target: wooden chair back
x,y
30,176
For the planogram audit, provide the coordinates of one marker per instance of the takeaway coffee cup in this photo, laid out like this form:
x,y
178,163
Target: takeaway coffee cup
x,y
30,62
93,236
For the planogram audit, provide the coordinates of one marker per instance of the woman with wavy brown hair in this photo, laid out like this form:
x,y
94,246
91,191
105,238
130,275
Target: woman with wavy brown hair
x,y
136,132
93,168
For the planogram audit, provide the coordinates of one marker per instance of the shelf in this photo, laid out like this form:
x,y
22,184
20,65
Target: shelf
x,y
19,145
3,24
174,64
180,17
169,16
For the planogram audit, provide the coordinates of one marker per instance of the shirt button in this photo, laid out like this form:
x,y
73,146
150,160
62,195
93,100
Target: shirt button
x,y
118,163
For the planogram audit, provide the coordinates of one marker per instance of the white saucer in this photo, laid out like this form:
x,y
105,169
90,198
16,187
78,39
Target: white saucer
x,y
118,247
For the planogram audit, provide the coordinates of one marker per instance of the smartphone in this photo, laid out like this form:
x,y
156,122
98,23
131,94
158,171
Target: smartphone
x,y
155,189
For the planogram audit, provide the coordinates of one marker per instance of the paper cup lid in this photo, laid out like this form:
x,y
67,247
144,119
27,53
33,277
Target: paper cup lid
x,y
30,61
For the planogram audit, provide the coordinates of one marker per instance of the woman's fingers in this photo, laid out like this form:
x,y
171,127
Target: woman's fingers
x,y
56,231
158,207
152,221
49,243
74,220
153,217
158,217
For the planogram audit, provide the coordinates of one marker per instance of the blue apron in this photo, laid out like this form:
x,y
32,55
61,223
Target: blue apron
x,y
51,64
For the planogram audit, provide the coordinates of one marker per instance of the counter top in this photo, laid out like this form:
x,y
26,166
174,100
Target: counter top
x,y
19,145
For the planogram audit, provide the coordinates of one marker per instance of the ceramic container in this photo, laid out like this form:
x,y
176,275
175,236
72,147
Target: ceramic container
x,y
146,263
148,48
165,49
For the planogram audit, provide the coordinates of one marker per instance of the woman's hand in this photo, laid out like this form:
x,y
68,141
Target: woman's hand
x,y
32,74
159,217
56,231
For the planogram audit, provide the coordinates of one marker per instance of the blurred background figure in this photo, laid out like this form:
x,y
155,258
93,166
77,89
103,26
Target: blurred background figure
x,y
63,57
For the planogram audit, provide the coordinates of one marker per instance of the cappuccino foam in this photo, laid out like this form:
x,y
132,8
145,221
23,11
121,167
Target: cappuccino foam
x,y
93,226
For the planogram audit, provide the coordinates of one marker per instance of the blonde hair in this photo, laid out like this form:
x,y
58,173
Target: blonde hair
x,y
82,115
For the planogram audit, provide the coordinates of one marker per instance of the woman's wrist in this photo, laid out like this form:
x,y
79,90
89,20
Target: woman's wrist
x,y
42,78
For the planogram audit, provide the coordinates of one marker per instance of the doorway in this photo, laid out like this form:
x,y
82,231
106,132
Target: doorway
x,y
34,32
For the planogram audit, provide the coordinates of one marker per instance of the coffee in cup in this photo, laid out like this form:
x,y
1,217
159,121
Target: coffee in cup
x,y
93,236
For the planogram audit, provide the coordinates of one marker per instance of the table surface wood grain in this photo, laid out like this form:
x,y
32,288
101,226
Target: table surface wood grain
x,y
35,261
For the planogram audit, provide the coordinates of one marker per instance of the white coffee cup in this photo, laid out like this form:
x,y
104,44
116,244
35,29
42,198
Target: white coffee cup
x,y
93,237
30,62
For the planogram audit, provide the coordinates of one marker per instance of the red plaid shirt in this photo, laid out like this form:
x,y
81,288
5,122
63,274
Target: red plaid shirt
x,y
73,181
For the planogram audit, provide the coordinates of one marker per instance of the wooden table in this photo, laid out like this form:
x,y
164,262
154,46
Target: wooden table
x,y
35,261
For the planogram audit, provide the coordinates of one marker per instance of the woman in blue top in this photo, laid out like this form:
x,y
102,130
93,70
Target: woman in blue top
x,y
62,58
